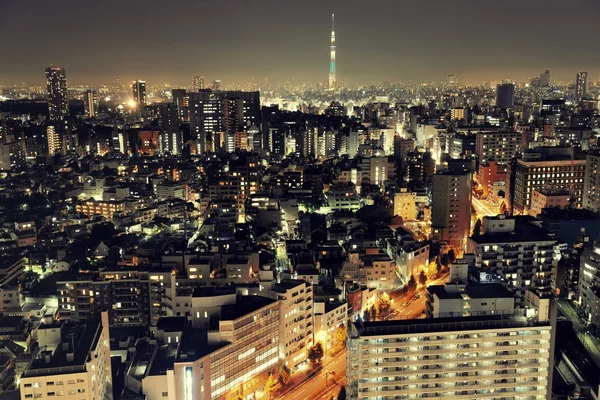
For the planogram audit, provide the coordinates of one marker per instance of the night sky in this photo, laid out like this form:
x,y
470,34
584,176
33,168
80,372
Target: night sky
x,y
237,40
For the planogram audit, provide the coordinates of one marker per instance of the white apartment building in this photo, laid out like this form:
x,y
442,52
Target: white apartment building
x,y
490,357
72,363
296,328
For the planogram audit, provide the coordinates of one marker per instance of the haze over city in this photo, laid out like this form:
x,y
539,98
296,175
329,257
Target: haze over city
x,y
166,42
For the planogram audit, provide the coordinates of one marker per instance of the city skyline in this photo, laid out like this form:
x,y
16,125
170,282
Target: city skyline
x,y
393,44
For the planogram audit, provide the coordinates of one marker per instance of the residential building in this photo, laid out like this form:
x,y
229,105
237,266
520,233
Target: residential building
x,y
99,207
591,184
72,362
296,328
520,252
451,208
90,103
500,146
56,92
405,205
589,283
487,357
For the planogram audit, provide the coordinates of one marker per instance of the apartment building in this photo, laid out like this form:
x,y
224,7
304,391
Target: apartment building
x,y
72,362
488,357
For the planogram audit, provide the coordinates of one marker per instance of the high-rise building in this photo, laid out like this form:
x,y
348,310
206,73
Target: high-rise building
x,y
12,155
216,117
500,147
332,77
555,168
171,138
53,139
589,282
90,103
518,251
451,208
591,182
487,357
56,91
72,361
197,83
216,85
182,101
581,85
545,78
505,95
139,94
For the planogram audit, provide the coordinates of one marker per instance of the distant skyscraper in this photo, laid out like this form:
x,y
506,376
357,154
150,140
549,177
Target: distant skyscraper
x,y
56,90
545,78
332,78
197,83
90,102
451,80
217,85
139,93
505,95
581,85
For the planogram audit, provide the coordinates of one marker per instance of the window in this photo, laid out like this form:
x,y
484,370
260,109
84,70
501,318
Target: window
x,y
165,394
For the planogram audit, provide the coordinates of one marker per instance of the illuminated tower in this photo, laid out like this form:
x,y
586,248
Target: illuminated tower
x,y
56,90
332,55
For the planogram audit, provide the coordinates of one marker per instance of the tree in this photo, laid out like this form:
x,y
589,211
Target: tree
x,y
103,231
342,393
438,264
341,335
412,282
384,301
445,260
503,208
452,256
422,278
315,353
477,228
373,313
284,375
367,316
270,385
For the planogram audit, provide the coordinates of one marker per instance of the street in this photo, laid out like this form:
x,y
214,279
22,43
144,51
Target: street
x,y
589,341
415,307
484,208
333,374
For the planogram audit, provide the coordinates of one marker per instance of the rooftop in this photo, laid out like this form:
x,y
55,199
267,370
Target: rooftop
x,y
76,339
449,324
524,231
244,305
473,290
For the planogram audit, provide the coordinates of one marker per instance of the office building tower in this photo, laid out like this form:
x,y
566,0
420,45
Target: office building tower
x,y
90,103
216,85
487,357
53,140
56,92
71,361
591,182
139,94
354,140
550,168
451,208
545,78
332,77
581,85
500,147
182,102
519,252
216,117
197,83
505,95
